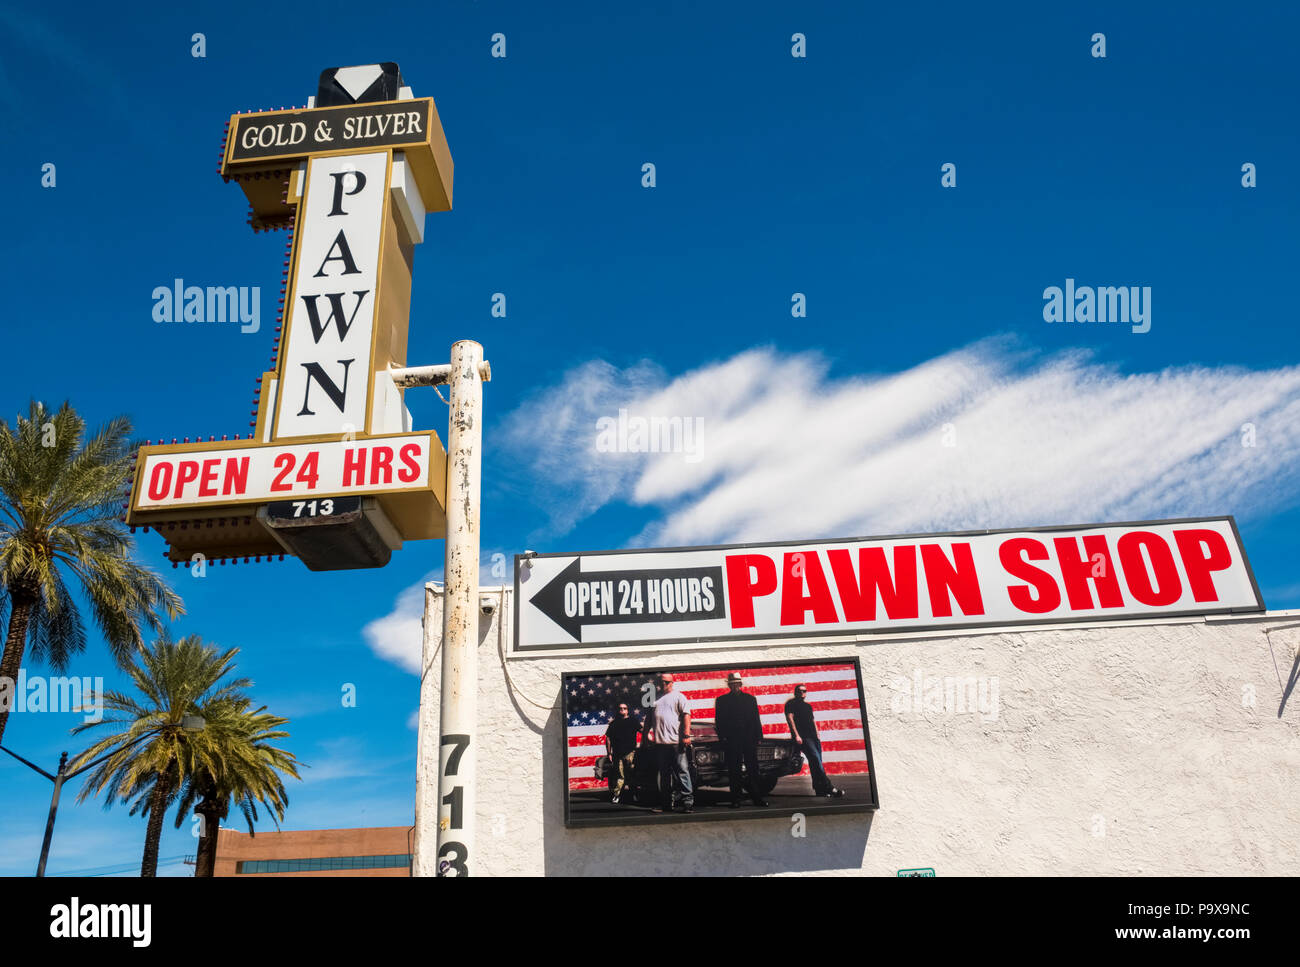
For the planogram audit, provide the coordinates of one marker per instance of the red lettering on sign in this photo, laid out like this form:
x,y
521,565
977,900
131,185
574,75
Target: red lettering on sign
x,y
381,462
354,467
1198,565
160,481
1169,588
309,473
946,582
748,576
412,469
1012,554
236,478
1077,571
795,604
283,463
187,472
208,479
858,592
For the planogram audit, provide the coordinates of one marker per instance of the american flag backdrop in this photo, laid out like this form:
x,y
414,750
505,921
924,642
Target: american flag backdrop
x,y
832,692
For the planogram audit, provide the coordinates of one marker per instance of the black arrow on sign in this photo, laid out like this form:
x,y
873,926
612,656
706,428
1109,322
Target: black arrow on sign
x,y
550,599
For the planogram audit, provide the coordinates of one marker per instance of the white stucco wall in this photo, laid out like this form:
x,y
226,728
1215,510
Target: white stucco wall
x,y
1135,748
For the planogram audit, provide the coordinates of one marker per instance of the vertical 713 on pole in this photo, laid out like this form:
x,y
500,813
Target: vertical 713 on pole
x,y
458,707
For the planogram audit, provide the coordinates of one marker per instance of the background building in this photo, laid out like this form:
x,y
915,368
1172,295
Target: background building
x,y
381,851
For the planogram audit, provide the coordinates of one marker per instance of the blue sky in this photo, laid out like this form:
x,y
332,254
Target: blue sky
x,y
775,175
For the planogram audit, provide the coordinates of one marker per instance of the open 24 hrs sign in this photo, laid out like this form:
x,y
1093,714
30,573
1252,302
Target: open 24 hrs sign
x,y
881,585
241,472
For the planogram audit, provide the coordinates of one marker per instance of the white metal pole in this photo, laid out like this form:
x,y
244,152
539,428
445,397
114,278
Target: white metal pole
x,y
459,701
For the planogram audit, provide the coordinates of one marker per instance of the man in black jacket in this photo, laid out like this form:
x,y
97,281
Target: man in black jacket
x,y
803,729
620,746
735,716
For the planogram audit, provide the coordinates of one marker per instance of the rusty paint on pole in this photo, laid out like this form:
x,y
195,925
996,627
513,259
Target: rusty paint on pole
x,y
410,376
459,701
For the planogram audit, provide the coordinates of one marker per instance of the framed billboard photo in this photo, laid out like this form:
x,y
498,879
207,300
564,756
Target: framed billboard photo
x,y
713,742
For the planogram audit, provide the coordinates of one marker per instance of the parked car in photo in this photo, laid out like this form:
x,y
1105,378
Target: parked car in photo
x,y
708,763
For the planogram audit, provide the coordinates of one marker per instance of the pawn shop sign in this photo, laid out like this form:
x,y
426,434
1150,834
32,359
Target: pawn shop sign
x,y
883,585
333,472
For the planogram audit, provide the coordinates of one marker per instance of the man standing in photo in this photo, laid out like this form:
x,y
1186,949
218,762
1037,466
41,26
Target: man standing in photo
x,y
672,738
620,746
803,727
735,716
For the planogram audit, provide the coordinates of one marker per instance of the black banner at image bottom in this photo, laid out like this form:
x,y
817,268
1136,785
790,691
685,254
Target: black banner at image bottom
x,y
333,915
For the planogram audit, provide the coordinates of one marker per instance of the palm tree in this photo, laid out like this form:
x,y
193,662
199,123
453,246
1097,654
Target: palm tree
x,y
249,774
154,753
60,507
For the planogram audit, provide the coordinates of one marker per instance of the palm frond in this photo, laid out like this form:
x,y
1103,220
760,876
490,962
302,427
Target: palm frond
x,y
61,491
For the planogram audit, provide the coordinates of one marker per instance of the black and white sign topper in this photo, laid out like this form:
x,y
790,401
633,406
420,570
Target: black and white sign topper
x,y
880,585
359,85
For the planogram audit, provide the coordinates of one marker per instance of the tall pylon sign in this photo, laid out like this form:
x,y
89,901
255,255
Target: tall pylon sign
x,y
332,472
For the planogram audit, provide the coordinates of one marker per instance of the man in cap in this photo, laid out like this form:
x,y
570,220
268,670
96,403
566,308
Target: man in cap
x,y
672,737
735,716
803,727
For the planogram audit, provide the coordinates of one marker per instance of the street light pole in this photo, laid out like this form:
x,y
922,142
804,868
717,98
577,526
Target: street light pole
x,y
190,723
59,779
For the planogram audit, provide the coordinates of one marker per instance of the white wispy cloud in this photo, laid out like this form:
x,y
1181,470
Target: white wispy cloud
x,y
398,636
568,412
987,436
